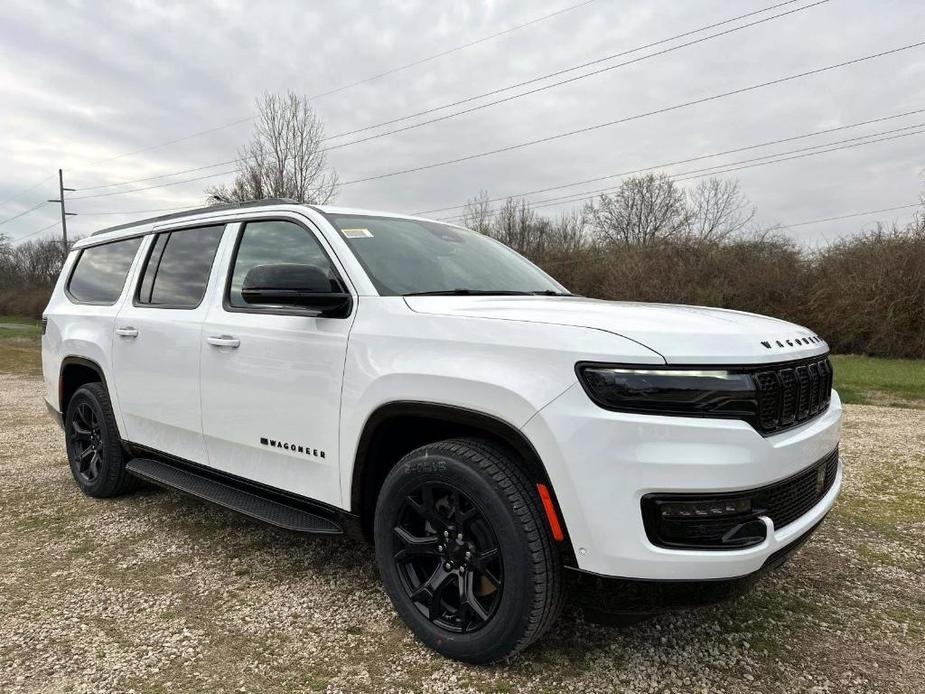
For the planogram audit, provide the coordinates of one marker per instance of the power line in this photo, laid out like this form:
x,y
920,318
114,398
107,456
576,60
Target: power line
x,y
159,185
637,116
510,87
848,216
158,209
724,168
711,171
167,143
678,161
25,190
569,80
33,233
421,61
802,156
356,83
558,136
23,213
687,175
598,61
728,167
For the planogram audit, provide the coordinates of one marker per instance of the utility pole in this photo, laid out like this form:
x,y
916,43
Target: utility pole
x,y
64,213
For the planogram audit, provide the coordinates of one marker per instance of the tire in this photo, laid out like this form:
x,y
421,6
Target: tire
x,y
94,447
489,604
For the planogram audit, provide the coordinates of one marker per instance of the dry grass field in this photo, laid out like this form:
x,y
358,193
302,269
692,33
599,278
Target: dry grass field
x,y
155,592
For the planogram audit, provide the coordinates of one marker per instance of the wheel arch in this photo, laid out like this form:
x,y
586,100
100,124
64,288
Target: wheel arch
x,y
415,423
77,371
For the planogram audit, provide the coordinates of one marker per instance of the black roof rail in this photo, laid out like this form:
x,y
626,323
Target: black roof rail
x,y
198,210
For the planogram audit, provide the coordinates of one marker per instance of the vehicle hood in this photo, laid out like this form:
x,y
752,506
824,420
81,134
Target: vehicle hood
x,y
680,334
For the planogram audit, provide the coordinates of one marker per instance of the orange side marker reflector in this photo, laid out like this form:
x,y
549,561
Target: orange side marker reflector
x,y
551,516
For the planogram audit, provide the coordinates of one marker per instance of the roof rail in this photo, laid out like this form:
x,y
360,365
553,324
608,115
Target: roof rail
x,y
197,210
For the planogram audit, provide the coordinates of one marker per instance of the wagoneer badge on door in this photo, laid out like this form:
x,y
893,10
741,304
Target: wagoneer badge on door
x,y
307,450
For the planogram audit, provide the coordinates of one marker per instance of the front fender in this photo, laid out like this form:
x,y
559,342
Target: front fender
x,y
505,369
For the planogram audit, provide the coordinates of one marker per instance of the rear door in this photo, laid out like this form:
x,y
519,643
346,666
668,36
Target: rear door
x,y
81,317
271,376
158,337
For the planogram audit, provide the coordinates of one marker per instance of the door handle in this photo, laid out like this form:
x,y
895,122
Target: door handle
x,y
127,331
223,341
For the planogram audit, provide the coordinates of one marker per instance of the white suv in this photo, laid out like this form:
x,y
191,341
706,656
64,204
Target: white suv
x,y
338,371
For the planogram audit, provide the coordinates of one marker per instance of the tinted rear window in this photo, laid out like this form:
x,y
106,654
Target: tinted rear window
x,y
177,271
100,272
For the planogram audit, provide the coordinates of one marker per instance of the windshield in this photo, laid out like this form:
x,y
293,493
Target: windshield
x,y
406,256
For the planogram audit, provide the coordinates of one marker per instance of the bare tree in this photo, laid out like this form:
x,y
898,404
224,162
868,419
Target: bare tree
x,y
644,211
917,225
30,264
568,234
517,226
717,210
476,215
285,157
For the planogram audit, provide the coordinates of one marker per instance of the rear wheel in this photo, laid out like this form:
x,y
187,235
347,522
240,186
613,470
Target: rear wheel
x,y
464,551
94,448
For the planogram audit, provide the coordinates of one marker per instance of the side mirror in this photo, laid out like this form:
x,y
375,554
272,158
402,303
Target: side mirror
x,y
289,284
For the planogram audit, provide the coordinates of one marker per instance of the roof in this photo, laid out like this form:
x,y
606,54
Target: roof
x,y
199,210
201,214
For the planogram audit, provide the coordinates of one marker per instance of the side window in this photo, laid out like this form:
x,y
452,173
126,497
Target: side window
x,y
271,243
177,271
100,271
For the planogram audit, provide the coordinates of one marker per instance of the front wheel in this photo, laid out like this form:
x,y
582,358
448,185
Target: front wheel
x,y
464,551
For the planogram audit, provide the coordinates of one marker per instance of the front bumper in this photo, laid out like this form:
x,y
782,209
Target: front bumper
x,y
606,600
602,463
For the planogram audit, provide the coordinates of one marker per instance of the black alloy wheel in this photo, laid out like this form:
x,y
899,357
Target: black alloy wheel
x,y
86,437
448,558
465,551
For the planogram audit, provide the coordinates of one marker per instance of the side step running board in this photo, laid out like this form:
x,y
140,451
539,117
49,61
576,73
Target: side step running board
x,y
278,512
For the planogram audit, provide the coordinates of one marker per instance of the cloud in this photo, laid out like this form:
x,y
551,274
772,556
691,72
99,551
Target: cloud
x,y
83,82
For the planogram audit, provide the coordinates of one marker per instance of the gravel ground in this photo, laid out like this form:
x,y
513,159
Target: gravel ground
x,y
156,592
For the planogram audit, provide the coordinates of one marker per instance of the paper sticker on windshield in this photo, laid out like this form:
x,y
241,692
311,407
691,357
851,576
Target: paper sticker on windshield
x,y
357,233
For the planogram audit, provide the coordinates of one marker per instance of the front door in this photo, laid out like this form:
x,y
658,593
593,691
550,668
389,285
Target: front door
x,y
271,375
158,337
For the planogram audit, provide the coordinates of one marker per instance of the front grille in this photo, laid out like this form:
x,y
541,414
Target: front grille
x,y
790,394
789,499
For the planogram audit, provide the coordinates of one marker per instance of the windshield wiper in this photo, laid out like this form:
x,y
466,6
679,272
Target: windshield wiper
x,y
465,292
551,292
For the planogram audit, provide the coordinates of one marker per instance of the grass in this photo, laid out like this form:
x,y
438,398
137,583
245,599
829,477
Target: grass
x,y
874,381
20,341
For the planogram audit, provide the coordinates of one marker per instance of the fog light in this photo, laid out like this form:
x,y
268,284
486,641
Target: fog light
x,y
704,509
702,522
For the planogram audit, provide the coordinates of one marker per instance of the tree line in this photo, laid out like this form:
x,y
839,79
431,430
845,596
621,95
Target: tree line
x,y
654,241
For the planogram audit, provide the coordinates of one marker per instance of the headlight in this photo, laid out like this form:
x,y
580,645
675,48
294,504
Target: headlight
x,y
686,392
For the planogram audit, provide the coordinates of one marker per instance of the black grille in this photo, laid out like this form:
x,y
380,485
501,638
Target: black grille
x,y
787,500
791,394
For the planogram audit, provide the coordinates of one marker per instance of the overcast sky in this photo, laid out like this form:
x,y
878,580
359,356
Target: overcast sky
x,y
84,82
